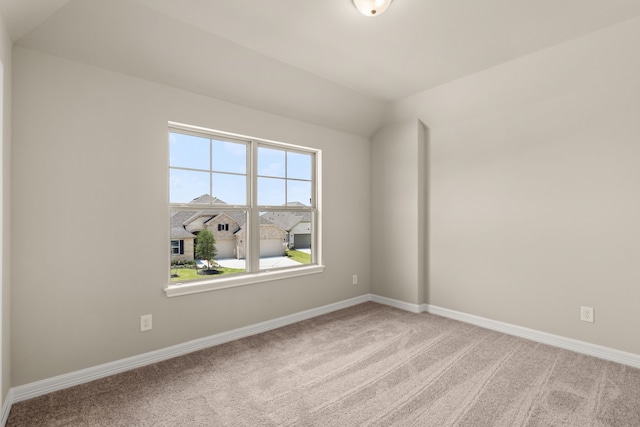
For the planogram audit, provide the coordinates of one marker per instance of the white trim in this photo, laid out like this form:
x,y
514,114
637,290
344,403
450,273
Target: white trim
x,y
414,308
601,352
71,379
236,280
237,137
6,408
582,347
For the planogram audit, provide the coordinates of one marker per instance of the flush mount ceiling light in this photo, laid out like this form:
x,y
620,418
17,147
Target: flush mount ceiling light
x,y
372,7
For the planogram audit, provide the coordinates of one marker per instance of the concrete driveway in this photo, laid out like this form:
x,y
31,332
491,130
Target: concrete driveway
x,y
265,263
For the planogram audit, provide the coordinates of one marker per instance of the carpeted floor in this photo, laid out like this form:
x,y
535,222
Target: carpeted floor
x,y
366,365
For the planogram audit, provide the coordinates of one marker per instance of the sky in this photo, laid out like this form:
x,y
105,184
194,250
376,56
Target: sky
x,y
200,166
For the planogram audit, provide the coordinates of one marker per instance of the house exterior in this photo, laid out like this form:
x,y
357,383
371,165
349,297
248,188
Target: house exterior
x,y
272,240
297,226
225,227
228,228
300,235
182,243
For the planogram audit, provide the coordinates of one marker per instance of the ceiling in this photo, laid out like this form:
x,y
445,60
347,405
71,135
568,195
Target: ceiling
x,y
313,60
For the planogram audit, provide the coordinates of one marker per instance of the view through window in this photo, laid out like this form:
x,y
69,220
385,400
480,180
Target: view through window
x,y
239,205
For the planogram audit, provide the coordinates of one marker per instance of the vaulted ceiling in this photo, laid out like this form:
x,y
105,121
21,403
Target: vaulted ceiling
x,y
317,61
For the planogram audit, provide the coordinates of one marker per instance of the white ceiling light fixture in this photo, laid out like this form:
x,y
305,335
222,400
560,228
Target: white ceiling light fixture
x,y
372,7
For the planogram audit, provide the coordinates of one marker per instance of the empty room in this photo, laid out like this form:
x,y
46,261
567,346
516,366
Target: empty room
x,y
320,213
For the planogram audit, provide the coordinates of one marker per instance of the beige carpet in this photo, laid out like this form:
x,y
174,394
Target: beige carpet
x,y
367,365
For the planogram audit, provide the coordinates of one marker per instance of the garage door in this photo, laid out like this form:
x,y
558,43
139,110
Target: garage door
x,y
302,241
225,249
271,247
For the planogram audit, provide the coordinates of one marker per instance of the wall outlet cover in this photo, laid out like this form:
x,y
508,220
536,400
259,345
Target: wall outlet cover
x,y
586,314
146,323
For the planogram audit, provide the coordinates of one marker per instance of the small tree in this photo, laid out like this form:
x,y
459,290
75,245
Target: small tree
x,y
206,246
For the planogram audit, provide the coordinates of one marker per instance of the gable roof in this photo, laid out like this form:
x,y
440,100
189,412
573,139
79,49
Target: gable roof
x,y
181,219
237,217
177,225
287,220
179,233
206,199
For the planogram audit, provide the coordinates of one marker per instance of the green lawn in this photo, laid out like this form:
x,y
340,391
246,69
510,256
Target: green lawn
x,y
301,257
186,274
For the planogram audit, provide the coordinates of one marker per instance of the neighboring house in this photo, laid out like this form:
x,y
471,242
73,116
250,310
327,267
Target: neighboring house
x,y
228,228
296,224
225,227
272,239
182,241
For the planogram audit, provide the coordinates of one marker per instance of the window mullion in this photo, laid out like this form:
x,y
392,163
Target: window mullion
x,y
286,180
316,223
253,222
211,167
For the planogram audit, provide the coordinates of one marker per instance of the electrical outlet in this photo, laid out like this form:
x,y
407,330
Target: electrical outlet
x,y
146,323
354,279
586,314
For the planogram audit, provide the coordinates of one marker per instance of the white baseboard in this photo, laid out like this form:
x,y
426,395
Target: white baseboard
x,y
6,408
606,353
414,308
38,388
582,347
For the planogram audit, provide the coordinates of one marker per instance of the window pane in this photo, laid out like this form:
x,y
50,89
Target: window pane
x,y
271,191
184,186
204,258
271,162
229,157
285,239
231,189
299,166
188,151
299,192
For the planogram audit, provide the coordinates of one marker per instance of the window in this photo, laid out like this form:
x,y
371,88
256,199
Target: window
x,y
177,247
252,196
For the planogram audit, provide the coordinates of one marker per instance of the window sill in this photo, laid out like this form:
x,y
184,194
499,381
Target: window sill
x,y
240,280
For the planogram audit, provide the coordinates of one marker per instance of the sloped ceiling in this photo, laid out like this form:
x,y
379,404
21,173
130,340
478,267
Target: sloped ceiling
x,y
22,16
316,61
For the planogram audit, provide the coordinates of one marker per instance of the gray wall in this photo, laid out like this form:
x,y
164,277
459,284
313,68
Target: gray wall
x,y
534,189
5,287
90,175
399,211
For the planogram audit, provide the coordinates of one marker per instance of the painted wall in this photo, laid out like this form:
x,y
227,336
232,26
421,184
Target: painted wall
x,y
5,257
90,175
535,188
398,211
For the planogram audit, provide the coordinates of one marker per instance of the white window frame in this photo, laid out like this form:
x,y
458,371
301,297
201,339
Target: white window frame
x,y
253,274
172,247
